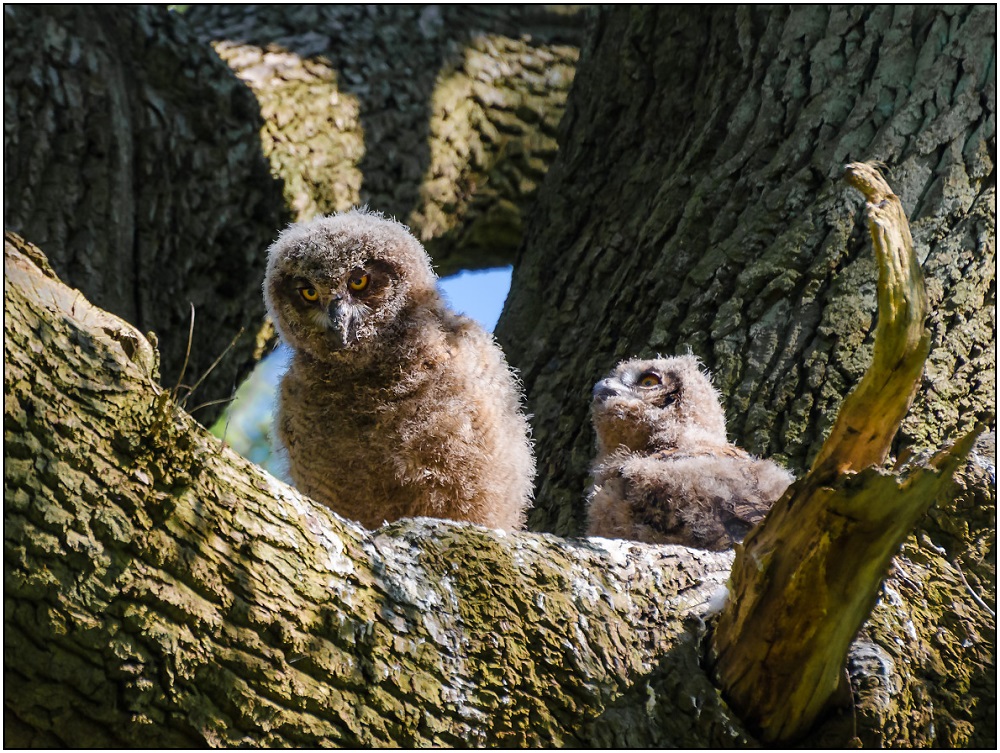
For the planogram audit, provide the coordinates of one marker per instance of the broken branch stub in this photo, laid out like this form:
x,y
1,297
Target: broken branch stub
x,y
871,414
807,577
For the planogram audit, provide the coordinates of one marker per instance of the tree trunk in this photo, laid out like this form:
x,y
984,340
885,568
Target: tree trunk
x,y
131,154
161,591
696,203
442,116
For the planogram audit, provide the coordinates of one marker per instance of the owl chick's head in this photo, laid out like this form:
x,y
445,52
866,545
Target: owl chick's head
x,y
648,405
336,283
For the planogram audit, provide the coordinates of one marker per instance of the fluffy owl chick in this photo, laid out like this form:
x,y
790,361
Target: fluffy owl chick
x,y
393,406
664,471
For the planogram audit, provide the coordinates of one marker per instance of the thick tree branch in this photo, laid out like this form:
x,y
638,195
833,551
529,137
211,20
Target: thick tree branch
x,y
806,579
161,591
695,204
443,116
131,155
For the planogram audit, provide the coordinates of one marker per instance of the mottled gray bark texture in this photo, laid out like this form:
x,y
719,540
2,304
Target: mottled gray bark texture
x,y
161,591
443,116
131,154
696,203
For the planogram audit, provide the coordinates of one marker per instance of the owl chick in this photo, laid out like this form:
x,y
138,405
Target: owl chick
x,y
665,472
393,406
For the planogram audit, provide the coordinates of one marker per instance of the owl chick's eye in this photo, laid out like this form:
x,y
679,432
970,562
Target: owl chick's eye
x,y
358,281
649,379
310,295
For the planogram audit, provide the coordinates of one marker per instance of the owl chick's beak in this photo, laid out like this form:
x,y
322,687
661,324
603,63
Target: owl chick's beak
x,y
340,322
605,389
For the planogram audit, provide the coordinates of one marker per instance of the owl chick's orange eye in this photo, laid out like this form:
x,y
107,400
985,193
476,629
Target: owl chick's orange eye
x,y
358,281
309,294
649,380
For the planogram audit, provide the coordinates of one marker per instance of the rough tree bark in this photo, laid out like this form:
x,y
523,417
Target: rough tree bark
x,y
131,154
443,116
161,591
696,203
134,156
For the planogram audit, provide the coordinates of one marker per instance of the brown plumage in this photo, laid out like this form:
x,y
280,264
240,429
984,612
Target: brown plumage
x,y
393,406
665,472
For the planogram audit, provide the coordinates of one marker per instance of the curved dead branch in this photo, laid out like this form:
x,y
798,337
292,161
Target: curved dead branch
x,y
806,578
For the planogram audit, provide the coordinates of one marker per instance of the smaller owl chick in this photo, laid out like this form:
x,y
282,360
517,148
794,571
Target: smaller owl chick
x,y
665,472
393,406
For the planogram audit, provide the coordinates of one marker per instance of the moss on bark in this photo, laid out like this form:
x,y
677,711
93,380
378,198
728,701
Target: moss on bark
x,y
163,591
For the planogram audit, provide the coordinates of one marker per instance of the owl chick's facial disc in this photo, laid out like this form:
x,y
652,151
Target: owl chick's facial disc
x,y
333,284
640,397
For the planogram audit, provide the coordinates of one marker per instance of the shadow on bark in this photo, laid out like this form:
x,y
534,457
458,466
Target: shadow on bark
x,y
160,590
131,155
696,203
350,94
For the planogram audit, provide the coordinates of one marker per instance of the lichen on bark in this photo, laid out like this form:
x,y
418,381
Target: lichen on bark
x,y
160,590
195,600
